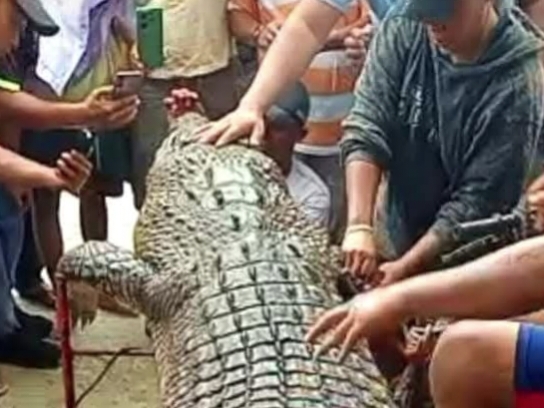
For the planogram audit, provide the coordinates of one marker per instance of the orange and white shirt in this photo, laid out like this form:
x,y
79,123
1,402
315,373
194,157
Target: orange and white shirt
x,y
331,76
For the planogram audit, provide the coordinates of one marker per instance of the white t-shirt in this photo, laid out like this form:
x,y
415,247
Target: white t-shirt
x,y
309,191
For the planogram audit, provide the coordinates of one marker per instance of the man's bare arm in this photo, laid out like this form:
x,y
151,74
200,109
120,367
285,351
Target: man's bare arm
x,y
310,24
362,182
504,284
535,11
35,113
24,173
243,25
422,255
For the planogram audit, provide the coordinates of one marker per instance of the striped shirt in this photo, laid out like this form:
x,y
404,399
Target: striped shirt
x,y
331,76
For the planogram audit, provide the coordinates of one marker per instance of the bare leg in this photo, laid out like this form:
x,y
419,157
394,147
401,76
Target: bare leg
x,y
46,211
473,365
93,216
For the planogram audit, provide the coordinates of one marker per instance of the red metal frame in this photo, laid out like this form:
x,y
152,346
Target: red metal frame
x,y
64,328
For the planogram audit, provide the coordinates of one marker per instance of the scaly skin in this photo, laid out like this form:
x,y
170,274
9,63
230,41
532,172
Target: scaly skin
x,y
230,274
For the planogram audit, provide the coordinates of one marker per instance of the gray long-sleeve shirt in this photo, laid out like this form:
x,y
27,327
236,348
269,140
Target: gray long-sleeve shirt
x,y
456,140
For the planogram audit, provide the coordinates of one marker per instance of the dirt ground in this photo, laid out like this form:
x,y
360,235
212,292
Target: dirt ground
x,y
132,382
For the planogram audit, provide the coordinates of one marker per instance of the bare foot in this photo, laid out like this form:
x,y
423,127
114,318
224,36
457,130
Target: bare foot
x,y
112,305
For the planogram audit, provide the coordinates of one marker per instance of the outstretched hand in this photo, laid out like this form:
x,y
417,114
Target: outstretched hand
x,y
373,314
106,112
72,171
181,101
236,125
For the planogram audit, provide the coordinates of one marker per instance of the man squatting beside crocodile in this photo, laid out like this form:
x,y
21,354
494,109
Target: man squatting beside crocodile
x,y
286,127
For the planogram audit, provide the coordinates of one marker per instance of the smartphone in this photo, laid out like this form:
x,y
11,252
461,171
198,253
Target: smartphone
x,y
127,83
149,22
85,143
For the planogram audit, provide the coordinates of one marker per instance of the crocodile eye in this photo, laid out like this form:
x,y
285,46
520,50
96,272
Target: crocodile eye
x,y
219,198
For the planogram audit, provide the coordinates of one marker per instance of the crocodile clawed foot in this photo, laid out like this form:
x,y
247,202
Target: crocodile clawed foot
x,y
83,303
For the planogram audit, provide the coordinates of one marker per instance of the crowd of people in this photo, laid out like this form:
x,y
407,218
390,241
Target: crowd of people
x,y
392,120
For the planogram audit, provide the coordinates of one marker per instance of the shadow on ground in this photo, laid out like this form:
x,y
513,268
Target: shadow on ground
x,y
131,382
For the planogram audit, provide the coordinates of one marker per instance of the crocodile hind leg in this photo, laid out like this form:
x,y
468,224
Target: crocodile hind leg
x,y
102,267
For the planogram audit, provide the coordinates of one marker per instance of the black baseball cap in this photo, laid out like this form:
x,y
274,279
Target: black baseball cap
x,y
292,107
431,10
38,18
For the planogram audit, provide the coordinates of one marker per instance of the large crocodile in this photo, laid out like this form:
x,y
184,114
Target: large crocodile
x,y
229,273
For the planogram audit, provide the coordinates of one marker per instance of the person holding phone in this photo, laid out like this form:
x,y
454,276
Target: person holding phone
x,y
198,54
101,49
23,337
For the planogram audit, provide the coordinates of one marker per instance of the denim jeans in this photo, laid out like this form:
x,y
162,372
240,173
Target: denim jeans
x,y
30,265
11,240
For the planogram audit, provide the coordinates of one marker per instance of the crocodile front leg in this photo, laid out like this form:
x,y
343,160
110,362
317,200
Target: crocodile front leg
x,y
102,266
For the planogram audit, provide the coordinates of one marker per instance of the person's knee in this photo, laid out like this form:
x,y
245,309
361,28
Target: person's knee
x,y
473,363
457,345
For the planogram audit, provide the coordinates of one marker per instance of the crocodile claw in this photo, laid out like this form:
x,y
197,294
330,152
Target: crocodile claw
x,y
83,299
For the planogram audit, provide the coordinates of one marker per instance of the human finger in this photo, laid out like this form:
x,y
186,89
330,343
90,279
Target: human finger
x,y
326,321
229,136
122,117
65,170
536,185
355,54
348,260
350,42
536,198
358,259
270,36
256,137
370,271
352,338
336,337
211,132
79,161
73,172
103,92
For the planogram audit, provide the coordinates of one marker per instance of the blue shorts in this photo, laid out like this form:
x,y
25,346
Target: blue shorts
x,y
529,370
